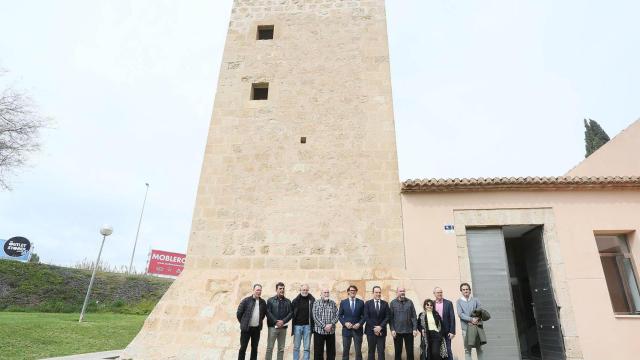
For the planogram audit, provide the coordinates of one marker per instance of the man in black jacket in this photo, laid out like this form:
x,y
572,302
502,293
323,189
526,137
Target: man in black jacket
x,y
279,312
302,322
250,314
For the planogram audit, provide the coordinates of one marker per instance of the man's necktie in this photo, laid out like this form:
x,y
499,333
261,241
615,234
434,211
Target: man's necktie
x,y
352,306
377,306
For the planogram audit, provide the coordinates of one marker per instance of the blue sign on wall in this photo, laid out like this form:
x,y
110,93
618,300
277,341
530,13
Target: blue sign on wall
x,y
16,248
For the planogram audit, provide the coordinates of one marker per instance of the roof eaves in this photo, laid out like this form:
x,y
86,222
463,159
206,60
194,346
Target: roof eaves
x,y
521,184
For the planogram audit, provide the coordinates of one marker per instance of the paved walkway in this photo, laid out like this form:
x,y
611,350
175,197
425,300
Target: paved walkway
x,y
114,354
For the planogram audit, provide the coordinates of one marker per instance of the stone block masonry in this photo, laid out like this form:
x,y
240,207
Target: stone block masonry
x,y
271,207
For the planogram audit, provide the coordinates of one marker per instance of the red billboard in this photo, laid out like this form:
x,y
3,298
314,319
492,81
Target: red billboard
x,y
165,263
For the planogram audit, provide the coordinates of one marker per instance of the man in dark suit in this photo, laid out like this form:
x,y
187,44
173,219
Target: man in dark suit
x,y
444,308
351,316
376,315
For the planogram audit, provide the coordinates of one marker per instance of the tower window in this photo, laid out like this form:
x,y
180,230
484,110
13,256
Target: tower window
x,y
260,91
265,32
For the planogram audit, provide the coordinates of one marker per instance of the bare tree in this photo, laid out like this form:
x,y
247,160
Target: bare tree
x,y
20,125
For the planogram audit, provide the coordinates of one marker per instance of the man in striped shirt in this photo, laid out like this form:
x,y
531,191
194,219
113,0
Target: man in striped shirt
x,y
325,317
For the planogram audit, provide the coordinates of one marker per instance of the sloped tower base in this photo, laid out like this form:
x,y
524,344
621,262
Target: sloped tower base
x,y
202,325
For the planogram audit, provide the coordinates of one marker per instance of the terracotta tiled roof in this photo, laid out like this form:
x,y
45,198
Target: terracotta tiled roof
x,y
522,183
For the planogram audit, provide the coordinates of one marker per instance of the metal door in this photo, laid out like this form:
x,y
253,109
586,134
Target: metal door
x,y
490,275
545,308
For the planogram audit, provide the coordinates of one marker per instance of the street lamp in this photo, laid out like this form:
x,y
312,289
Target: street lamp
x,y
138,231
105,231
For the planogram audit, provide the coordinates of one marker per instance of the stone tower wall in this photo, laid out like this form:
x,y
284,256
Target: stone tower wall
x,y
270,208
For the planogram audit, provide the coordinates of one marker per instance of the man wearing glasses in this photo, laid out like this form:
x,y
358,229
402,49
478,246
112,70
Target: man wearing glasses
x,y
403,323
325,317
351,316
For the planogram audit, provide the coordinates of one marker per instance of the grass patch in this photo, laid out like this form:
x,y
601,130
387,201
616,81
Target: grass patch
x,y
40,335
30,287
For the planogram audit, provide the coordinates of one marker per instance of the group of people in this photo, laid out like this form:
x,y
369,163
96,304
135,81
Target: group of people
x,y
308,315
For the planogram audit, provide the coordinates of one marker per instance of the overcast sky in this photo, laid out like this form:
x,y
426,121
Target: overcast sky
x,y
481,88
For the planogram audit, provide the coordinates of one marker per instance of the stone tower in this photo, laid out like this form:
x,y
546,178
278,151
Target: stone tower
x,y
300,178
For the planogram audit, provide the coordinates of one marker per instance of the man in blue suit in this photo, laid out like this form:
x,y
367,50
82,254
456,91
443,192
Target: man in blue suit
x,y
376,315
444,308
351,316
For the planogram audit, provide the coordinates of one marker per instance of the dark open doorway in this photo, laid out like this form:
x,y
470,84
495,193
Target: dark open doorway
x,y
511,278
536,313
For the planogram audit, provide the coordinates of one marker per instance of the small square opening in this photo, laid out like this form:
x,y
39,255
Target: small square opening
x,y
265,32
260,91
303,140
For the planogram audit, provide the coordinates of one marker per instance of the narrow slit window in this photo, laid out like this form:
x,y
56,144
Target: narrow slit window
x,y
265,32
260,91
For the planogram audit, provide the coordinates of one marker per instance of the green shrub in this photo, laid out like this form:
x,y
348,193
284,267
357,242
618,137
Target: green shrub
x,y
30,287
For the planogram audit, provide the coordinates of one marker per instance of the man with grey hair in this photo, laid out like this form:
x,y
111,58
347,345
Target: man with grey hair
x,y
325,317
302,322
444,308
251,313
403,323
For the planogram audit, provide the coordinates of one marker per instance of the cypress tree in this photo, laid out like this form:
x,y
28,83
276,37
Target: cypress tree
x,y
594,136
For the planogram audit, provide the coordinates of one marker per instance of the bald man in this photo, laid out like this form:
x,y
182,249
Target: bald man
x,y
403,323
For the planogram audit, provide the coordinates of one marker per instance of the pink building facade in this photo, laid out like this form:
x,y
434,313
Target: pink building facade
x,y
553,259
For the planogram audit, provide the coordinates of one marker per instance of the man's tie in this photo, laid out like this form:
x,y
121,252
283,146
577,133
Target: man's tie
x,y
377,306
352,306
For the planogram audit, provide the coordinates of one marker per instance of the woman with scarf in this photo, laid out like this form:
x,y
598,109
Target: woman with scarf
x,y
430,325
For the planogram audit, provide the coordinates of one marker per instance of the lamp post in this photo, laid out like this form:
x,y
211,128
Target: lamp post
x,y
138,231
105,231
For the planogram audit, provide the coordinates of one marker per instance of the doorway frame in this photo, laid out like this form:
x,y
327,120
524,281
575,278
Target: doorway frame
x,y
545,217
